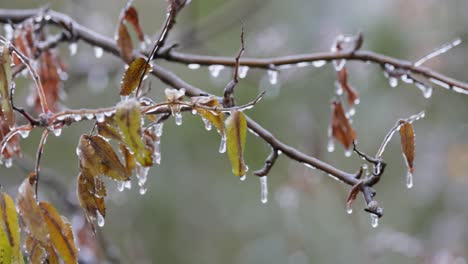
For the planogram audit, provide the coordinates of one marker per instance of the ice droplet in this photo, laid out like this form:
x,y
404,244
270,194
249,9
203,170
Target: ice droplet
x,y
339,64
76,117
157,157
349,209
73,48
460,90
348,152
142,174
100,219
89,116
263,189
100,117
222,145
128,185
8,162
339,88
120,186
374,220
243,71
124,98
57,132
273,77
331,145
409,180
440,83
159,129
207,124
178,118
194,111
319,63
243,177
393,82
24,133
302,64
193,66
406,79
215,70
98,51
143,190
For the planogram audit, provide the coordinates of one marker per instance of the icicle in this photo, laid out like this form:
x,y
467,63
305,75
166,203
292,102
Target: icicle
x,y
302,64
178,118
331,145
339,88
24,133
57,131
76,117
98,51
8,30
124,98
440,83
273,77
142,174
460,90
374,220
100,219
193,66
406,79
100,117
349,209
263,189
89,116
158,129
73,48
157,157
409,180
243,177
243,71
128,185
143,190
207,124
120,186
215,70
8,162
339,64
348,152
319,63
393,82
222,145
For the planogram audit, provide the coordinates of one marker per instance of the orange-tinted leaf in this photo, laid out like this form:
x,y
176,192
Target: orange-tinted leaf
x,y
128,119
407,144
35,252
10,238
353,194
5,84
130,162
91,193
107,130
31,214
353,97
52,257
131,16
216,118
132,75
236,133
341,127
61,234
125,43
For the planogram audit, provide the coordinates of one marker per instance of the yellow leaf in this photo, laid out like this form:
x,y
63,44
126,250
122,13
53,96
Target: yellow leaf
x,y
132,76
236,133
5,84
216,118
9,231
61,234
91,193
128,119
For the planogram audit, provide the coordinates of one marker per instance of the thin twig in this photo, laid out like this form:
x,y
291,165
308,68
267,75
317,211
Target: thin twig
x,y
39,152
228,100
269,163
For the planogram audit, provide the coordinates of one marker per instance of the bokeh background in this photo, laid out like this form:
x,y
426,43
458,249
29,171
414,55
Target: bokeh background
x,y
196,211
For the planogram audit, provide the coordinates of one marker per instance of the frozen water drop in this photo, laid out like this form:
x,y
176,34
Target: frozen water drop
x,y
157,157
142,175
302,64
263,189
128,185
349,210
243,177
459,90
178,118
120,186
98,51
273,77
124,98
193,66
8,162
100,117
100,219
222,145
393,82
319,63
24,133
309,166
159,129
215,70
194,111
374,220
143,190
348,152
243,71
89,116
76,117
339,88
57,132
352,111
331,145
339,64
427,93
409,180
207,124
73,48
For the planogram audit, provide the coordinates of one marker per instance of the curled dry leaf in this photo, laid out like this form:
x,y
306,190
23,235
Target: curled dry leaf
x,y
10,250
61,234
124,42
132,76
341,127
407,144
353,194
215,117
353,97
91,193
129,158
128,119
236,133
131,16
108,130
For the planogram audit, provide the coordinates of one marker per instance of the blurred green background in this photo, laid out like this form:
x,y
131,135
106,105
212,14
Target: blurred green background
x,y
196,211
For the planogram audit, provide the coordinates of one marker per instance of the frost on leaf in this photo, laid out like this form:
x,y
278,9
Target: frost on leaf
x,y
10,249
133,74
236,133
340,126
407,144
128,119
214,117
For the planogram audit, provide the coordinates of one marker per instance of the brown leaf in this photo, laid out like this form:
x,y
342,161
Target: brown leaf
x,y
35,252
407,144
236,133
341,127
353,194
125,43
107,130
353,97
91,193
131,16
61,234
132,76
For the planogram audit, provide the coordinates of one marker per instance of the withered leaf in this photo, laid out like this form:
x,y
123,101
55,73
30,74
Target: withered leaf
x,y
125,43
353,194
407,144
91,193
236,133
341,127
107,130
5,84
353,97
132,76
61,234
10,239
131,16
128,119
129,158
